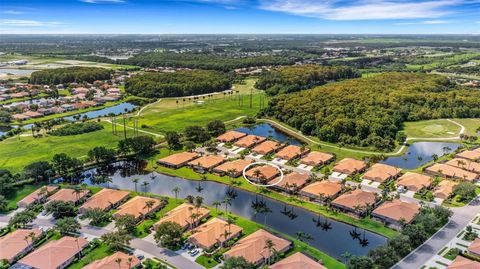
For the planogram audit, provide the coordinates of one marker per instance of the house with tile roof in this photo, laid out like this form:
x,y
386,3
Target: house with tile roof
x,y
232,168
214,233
137,207
291,152
349,166
444,189
105,200
267,147
111,262
380,173
414,181
448,171
297,261
395,213
178,160
38,196
316,158
182,215
17,243
206,163
69,195
253,247
355,201
249,141
322,189
230,136
463,263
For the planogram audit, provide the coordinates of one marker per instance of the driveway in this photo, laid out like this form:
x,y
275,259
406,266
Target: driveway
x,y
461,217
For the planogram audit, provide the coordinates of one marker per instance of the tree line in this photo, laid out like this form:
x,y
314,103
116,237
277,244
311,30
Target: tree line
x,y
370,112
77,74
181,83
295,78
203,61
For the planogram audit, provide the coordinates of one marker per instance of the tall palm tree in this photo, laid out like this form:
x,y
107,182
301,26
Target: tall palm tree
x,y
148,205
270,247
135,181
227,201
216,204
176,190
77,191
145,186
129,262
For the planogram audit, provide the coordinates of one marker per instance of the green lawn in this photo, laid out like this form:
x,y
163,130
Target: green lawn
x,y
187,173
471,125
143,229
18,193
431,129
206,262
17,152
96,254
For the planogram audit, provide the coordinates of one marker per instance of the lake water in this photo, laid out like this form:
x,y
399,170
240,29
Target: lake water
x,y
21,72
267,130
334,242
4,129
420,153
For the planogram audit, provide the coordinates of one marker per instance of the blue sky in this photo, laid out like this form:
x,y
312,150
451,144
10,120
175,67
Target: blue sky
x,y
240,16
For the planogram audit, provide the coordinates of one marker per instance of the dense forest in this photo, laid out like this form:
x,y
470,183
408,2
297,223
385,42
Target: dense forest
x,y
295,78
69,74
468,70
203,61
370,111
181,83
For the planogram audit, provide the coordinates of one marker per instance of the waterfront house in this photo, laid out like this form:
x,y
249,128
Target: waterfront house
x,y
177,160
214,233
254,248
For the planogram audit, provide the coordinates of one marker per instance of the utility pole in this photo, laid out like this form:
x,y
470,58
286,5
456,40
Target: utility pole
x,y
124,127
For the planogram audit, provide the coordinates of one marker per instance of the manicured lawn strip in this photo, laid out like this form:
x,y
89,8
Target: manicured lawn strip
x,y
206,261
97,253
144,228
18,193
249,227
366,223
431,129
17,152
451,254
470,125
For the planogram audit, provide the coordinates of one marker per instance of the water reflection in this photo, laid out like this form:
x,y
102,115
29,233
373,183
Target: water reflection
x,y
267,130
328,235
420,153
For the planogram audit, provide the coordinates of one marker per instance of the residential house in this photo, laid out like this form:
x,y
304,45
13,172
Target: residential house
x,y
263,173
474,248
297,261
414,181
465,164
117,260
214,233
267,147
17,243
182,215
105,200
356,201
445,170
249,141
316,158
230,136
463,263
395,213
57,254
349,166
291,152
69,195
380,173
254,247
472,155
37,196
177,160
206,163
232,168
444,189
137,207
321,190
290,182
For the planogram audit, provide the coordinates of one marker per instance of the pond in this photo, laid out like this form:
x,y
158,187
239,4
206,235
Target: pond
x,y
19,72
267,130
4,129
334,241
420,153
116,109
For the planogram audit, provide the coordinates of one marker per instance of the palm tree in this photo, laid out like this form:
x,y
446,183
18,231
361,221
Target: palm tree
x,y
216,204
226,235
227,201
145,186
270,247
119,261
77,191
257,173
346,255
135,181
176,190
148,205
129,262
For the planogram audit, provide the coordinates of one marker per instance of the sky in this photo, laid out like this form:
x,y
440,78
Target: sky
x,y
240,17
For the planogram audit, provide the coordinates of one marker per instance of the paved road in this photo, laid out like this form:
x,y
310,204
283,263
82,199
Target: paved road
x,y
146,246
461,217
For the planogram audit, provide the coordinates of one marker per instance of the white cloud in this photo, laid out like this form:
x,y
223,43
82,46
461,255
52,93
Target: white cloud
x,y
27,23
361,10
423,22
13,12
103,1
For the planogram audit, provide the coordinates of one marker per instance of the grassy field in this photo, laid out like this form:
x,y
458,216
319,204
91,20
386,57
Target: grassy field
x,y
471,125
168,115
18,193
431,129
187,173
17,152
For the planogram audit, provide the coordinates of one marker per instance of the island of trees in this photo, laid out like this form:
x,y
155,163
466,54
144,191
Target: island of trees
x,y
77,74
370,111
181,83
203,61
295,78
